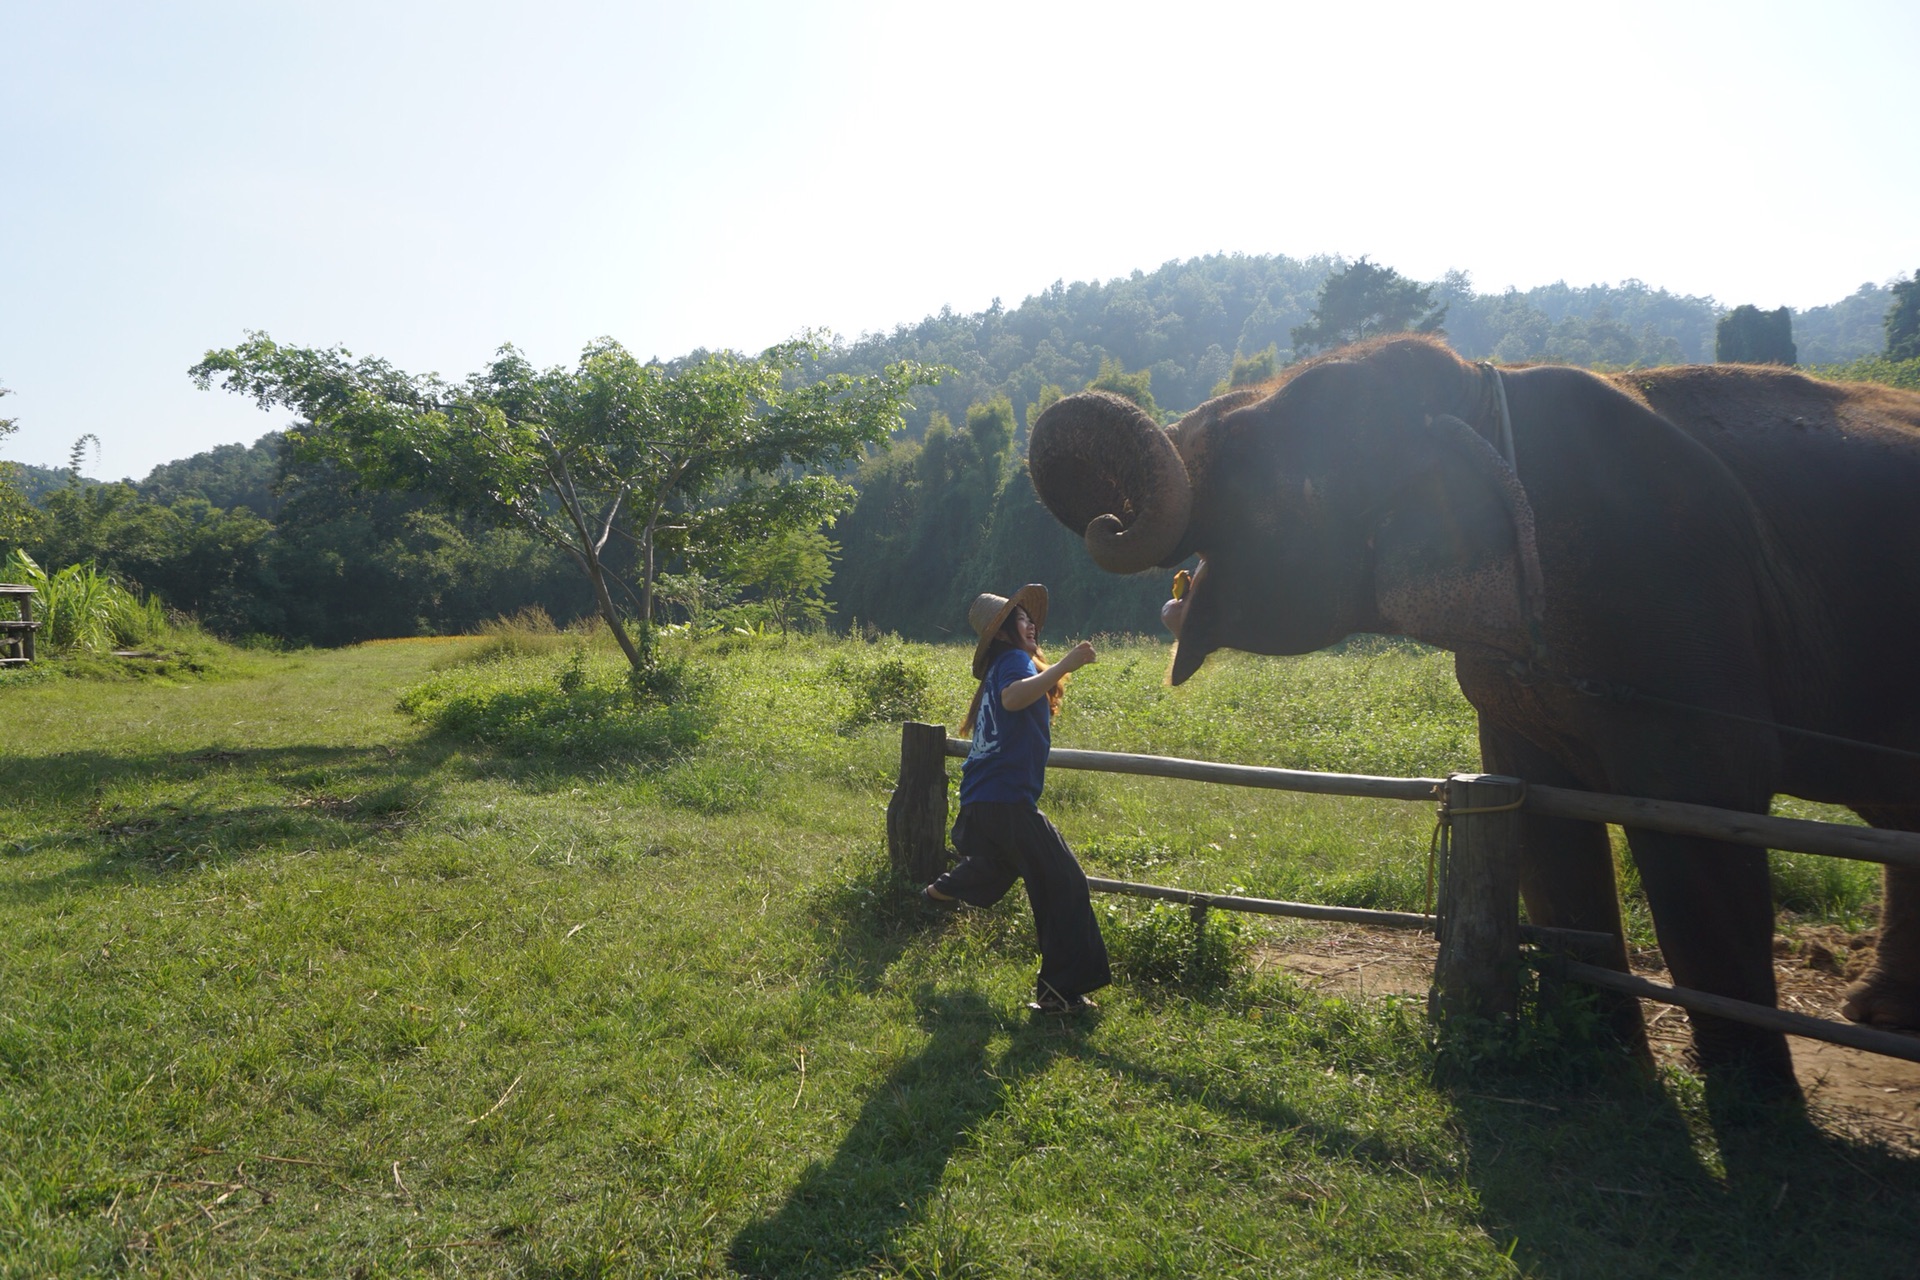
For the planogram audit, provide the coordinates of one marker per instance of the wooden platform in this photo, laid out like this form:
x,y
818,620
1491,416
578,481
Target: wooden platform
x,y
16,633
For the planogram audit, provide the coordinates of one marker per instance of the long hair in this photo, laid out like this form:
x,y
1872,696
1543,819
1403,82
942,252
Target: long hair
x,y
1001,644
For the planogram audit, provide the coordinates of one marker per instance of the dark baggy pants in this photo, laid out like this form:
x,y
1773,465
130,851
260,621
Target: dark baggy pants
x,y
1000,843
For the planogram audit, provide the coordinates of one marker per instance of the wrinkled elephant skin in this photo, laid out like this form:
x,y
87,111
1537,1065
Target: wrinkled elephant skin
x,y
1738,541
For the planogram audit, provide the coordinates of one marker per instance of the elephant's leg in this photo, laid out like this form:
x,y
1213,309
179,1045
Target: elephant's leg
x,y
1566,875
1889,994
1713,911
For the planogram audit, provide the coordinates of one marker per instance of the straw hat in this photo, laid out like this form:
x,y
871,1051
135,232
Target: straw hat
x,y
989,612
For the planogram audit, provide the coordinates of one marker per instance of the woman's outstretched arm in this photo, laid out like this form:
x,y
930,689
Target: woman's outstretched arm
x,y
1023,693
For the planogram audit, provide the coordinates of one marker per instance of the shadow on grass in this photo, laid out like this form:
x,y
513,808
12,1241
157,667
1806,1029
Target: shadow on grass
x,y
1256,1107
844,1214
329,797
1618,1181
861,923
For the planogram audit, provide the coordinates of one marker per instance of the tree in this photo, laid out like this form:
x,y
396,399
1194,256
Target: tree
x,y
683,460
790,571
227,475
990,423
1748,335
922,510
1137,387
78,454
15,511
1250,371
1364,301
1903,320
1038,405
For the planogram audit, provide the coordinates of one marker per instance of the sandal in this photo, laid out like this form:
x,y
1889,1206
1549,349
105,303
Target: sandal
x,y
1049,1001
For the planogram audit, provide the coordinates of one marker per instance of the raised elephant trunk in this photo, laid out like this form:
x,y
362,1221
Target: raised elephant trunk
x,y
1101,465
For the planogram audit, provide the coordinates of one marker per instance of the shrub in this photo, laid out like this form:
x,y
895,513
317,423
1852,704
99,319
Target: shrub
x,y
882,684
1167,945
83,609
535,706
668,680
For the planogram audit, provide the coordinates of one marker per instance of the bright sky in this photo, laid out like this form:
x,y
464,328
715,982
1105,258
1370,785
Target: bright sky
x,y
425,181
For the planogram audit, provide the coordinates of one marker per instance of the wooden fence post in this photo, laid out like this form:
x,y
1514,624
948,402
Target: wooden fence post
x,y
1478,973
917,813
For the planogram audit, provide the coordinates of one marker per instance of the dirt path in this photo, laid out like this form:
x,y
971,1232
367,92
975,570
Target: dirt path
x,y
1860,1094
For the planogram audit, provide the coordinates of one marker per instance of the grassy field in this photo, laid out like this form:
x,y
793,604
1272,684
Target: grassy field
x,y
518,981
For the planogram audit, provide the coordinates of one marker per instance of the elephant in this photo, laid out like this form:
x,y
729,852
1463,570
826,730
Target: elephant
x,y
1736,547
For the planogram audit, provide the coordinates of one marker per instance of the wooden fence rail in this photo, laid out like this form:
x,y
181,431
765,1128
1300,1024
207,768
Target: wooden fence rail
x,y
1477,917
1890,1043
1789,835
1411,920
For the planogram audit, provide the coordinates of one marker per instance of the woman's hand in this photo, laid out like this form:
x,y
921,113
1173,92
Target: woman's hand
x,y
1022,694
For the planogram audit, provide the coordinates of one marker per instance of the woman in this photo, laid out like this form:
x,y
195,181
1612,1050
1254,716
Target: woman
x,y
1001,833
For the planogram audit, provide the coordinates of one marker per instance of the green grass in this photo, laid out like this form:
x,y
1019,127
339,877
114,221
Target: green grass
x,y
298,983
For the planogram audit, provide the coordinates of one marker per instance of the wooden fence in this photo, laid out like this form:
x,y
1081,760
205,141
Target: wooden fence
x,y
1477,915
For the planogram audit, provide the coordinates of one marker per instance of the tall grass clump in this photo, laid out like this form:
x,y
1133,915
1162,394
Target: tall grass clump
x,y
527,633
1823,888
1171,946
877,683
570,706
84,610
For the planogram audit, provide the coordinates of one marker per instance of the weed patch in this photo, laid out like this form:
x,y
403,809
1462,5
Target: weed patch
x,y
1824,888
882,682
536,706
1167,945
1559,1034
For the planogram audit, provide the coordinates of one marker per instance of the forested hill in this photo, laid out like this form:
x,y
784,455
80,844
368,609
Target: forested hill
x,y
255,544
1185,322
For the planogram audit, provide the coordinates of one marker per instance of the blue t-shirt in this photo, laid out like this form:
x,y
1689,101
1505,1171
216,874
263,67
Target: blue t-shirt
x,y
1008,763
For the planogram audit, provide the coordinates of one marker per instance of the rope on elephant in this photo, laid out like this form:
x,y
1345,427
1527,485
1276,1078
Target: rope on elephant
x,y
1506,419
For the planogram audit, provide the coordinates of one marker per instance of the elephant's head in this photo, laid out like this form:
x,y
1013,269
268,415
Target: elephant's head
x,y
1350,498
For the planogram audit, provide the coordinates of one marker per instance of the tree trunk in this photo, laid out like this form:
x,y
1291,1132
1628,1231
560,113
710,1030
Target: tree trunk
x,y
635,657
646,593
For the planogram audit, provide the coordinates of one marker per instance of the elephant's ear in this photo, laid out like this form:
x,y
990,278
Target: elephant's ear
x,y
1455,556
